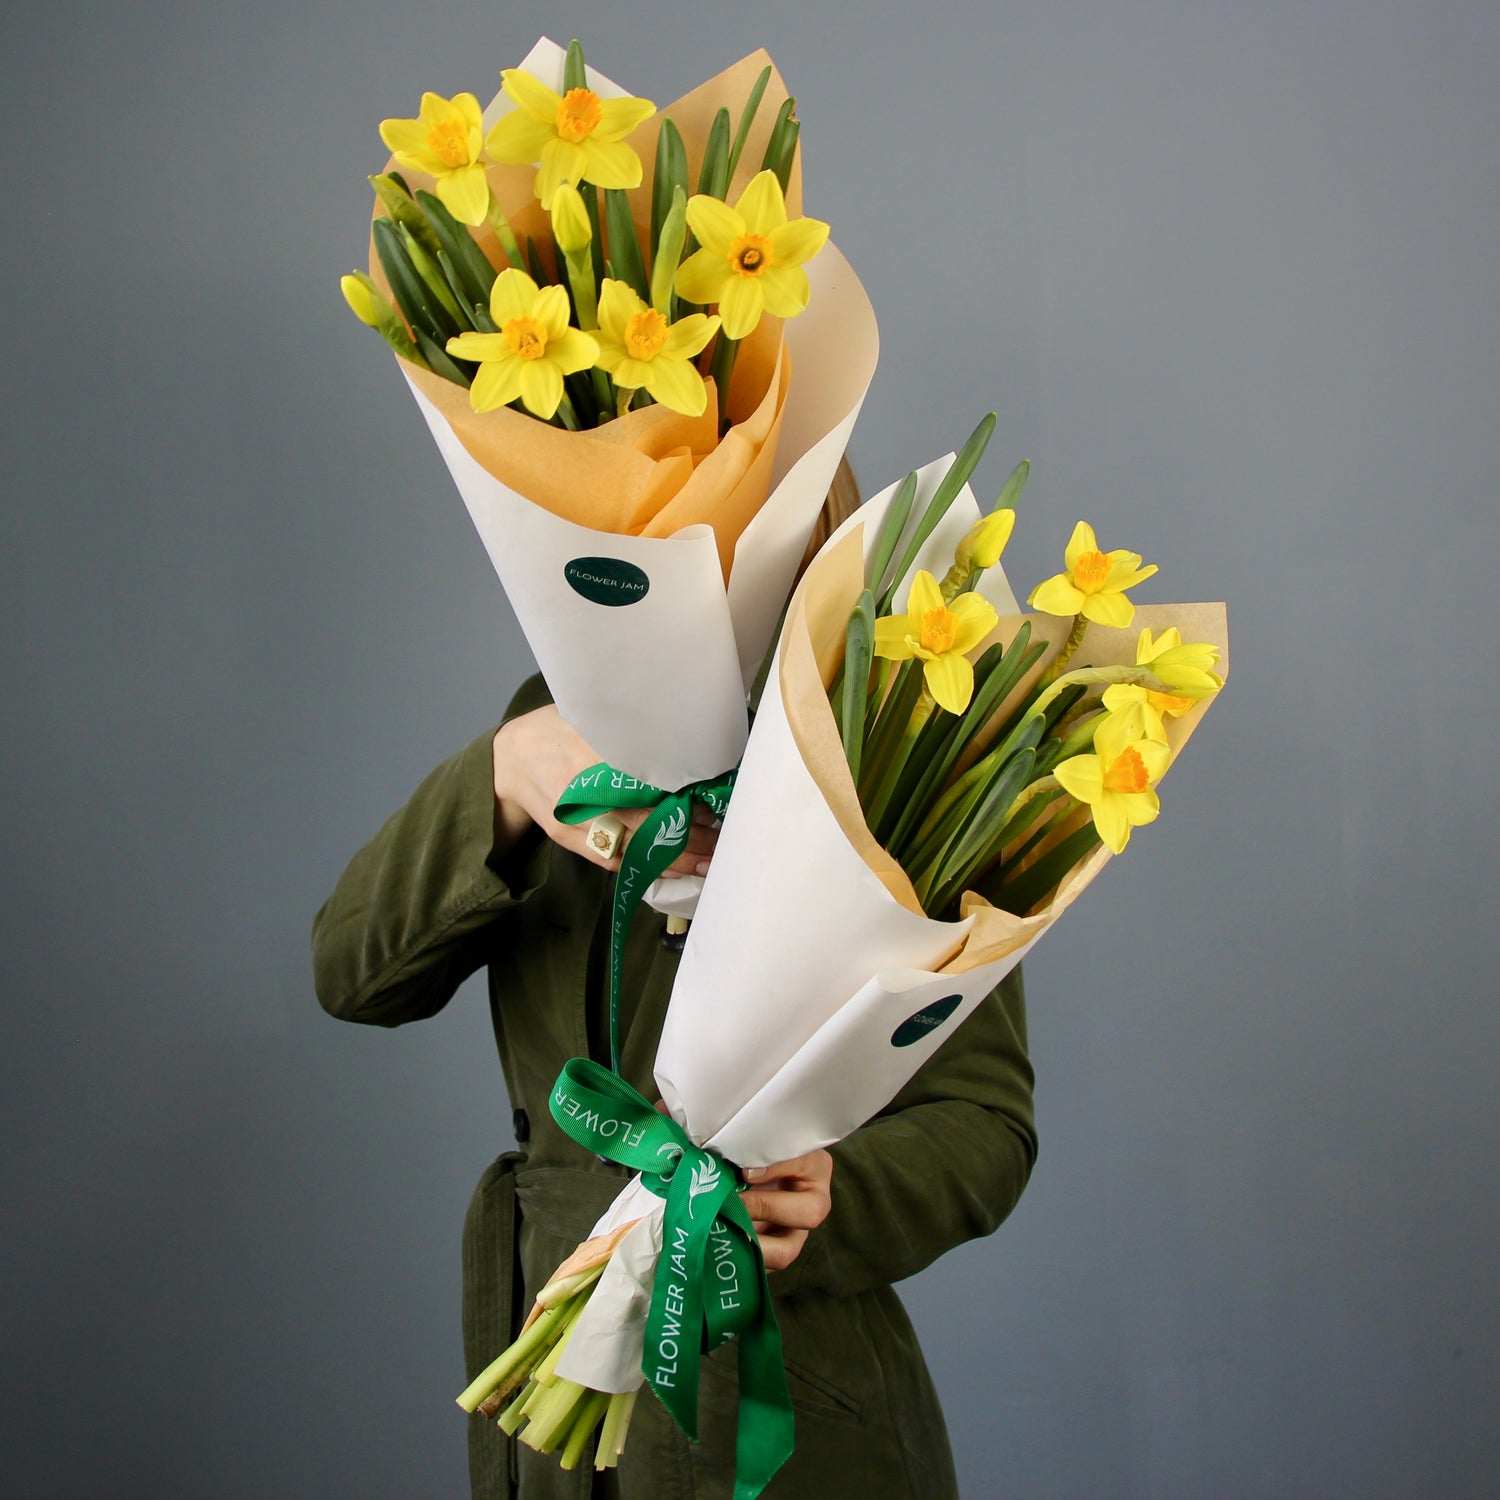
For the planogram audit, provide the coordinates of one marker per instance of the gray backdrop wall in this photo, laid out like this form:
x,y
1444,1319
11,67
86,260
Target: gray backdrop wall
x,y
1226,272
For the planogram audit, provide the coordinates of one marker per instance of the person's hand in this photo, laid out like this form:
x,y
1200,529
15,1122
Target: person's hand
x,y
785,1202
536,755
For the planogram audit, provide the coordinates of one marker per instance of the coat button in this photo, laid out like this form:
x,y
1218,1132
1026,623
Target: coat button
x,y
521,1122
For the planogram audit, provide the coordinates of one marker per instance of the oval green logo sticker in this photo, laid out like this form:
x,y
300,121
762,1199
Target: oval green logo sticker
x,y
610,581
926,1021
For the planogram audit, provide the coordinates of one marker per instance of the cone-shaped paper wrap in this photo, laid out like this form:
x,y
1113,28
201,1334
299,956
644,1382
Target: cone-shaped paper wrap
x,y
813,986
648,563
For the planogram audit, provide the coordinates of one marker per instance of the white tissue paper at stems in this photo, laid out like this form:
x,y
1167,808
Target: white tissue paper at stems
x,y
655,681
806,996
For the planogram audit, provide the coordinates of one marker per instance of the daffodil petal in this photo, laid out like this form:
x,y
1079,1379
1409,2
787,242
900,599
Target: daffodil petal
x,y
1080,542
701,277
406,140
1156,757
925,595
689,336
974,617
798,241
530,94
466,106
479,346
618,117
1056,596
562,161
786,290
676,384
1125,571
541,386
465,193
1112,824
611,352
893,637
1117,730
512,296
741,303
716,225
761,205
1113,610
1120,695
551,311
518,138
950,680
610,164
496,384
618,303
1082,776
572,351
1139,808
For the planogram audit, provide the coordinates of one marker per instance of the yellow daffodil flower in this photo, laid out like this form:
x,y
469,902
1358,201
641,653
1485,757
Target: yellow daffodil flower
x,y
1094,584
444,141
751,257
1117,781
641,350
532,352
573,136
939,635
1184,670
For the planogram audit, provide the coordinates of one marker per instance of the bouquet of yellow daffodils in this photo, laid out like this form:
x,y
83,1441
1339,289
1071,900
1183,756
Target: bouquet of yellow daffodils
x,y
957,773
641,363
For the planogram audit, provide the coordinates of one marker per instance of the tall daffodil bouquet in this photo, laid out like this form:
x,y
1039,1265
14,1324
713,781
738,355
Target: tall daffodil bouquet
x,y
951,774
641,363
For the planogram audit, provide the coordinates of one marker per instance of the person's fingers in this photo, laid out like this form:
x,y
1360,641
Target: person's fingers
x,y
779,1248
805,1208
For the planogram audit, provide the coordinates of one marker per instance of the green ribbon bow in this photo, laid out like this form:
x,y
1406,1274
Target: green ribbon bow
x,y
662,836
711,1280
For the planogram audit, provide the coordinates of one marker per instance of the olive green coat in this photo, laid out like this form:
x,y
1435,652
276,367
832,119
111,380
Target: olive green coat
x,y
424,905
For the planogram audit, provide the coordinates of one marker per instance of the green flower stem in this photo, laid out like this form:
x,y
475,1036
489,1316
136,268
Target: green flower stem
x,y
1026,891
721,372
580,271
882,743
495,217
590,1410
943,497
530,1343
616,1426
568,416
513,1415
1069,646
850,700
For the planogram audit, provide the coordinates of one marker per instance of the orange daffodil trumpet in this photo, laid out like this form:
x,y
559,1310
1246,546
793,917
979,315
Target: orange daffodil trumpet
x,y
751,257
444,141
572,136
939,635
642,351
532,351
1094,583
1117,782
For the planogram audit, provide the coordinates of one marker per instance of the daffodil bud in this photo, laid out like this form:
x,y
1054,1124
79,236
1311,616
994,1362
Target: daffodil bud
x,y
984,541
570,220
364,300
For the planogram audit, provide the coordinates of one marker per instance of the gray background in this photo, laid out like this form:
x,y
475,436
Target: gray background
x,y
1227,273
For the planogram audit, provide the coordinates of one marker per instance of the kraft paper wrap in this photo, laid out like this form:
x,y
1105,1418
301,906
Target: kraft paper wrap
x,y
812,651
652,472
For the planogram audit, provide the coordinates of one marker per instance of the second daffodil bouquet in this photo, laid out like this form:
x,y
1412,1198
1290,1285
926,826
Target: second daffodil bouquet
x,y
641,362
951,774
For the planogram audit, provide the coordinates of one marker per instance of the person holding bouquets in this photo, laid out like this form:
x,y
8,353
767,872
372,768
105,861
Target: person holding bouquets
x,y
474,872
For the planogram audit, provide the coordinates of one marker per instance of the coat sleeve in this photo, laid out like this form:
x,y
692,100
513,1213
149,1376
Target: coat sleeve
x,y
406,923
945,1162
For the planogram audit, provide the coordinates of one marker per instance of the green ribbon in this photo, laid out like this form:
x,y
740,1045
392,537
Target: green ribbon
x,y
660,839
711,1280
